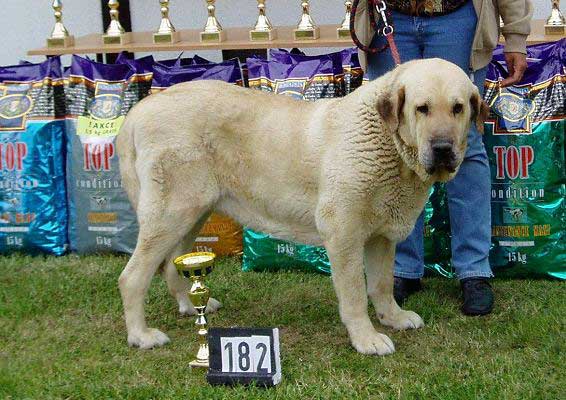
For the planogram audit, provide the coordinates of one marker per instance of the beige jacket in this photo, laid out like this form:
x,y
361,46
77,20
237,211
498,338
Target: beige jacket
x,y
516,16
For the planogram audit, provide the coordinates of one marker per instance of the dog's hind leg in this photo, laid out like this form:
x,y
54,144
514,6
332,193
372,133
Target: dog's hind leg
x,y
168,208
178,285
379,262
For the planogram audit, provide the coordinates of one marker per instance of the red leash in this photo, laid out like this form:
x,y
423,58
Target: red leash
x,y
387,30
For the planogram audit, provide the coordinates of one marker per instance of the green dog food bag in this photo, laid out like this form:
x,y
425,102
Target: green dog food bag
x,y
526,147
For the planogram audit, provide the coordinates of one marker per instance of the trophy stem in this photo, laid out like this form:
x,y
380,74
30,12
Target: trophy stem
x,y
60,36
306,30
212,30
344,28
166,32
199,295
115,34
555,24
263,29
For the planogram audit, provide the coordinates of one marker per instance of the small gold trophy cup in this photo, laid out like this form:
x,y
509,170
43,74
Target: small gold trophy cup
x,y
116,34
212,30
263,30
306,30
555,24
166,32
344,28
196,266
60,35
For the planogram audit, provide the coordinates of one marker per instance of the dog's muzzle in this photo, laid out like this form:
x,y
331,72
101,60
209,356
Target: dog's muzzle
x,y
442,156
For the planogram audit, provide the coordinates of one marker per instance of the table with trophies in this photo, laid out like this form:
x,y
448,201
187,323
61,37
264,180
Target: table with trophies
x,y
263,35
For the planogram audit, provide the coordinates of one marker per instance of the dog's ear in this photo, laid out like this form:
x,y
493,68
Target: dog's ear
x,y
480,111
390,106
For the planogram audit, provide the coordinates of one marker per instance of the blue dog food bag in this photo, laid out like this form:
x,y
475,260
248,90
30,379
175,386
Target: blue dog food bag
x,y
33,210
98,98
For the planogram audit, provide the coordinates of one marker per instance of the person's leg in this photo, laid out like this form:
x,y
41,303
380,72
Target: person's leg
x,y
450,37
470,208
409,258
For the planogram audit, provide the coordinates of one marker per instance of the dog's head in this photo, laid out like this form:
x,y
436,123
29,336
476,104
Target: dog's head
x,y
430,104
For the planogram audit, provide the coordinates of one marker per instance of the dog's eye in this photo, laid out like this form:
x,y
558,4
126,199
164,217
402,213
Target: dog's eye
x,y
423,109
457,108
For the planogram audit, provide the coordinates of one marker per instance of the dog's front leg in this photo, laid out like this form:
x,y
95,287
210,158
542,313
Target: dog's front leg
x,y
346,259
379,262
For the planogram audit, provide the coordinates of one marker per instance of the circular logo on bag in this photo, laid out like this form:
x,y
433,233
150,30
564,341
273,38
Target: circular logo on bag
x,y
513,108
15,106
106,106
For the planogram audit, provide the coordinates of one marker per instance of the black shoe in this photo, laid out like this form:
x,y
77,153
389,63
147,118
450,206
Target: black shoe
x,y
404,287
478,296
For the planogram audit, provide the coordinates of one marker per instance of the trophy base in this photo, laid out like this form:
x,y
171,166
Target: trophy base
x,y
306,34
343,33
124,38
199,364
172,37
212,37
554,29
61,42
262,36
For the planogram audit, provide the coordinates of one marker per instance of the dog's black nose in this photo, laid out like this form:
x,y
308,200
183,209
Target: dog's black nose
x,y
441,147
443,156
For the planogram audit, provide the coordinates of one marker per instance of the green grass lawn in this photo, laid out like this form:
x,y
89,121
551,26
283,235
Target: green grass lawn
x,y
62,336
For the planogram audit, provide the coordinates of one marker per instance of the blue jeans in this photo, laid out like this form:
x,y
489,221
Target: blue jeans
x,y
448,37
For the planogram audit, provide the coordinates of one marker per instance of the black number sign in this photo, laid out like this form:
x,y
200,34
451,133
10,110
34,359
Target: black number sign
x,y
244,355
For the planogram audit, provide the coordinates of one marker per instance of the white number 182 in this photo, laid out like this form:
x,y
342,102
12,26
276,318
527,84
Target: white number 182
x,y
246,354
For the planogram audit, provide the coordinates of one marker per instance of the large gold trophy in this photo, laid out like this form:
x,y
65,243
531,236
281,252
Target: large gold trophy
x,y
555,24
116,34
166,32
263,30
196,266
60,36
213,31
344,28
306,30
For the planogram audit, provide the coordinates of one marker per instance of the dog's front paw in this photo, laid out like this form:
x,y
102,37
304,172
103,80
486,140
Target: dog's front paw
x,y
373,343
147,339
186,307
403,320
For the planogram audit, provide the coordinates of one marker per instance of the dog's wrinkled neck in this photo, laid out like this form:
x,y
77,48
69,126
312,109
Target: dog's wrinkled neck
x,y
410,156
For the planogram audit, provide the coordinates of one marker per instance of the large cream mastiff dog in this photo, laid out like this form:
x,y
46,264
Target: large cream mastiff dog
x,y
351,174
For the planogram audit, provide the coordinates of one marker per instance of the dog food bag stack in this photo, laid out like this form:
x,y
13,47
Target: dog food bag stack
x,y
165,76
311,79
526,147
220,234
305,78
33,209
98,98
347,59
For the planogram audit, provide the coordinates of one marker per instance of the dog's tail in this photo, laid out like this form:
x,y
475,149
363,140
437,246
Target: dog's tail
x,y
126,150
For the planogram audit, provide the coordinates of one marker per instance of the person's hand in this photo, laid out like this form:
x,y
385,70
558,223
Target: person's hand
x,y
516,65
